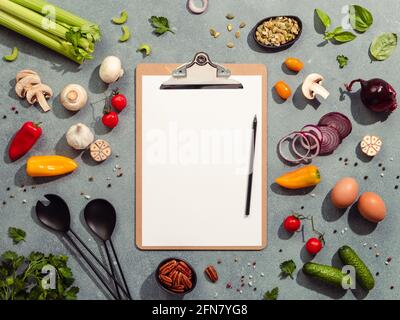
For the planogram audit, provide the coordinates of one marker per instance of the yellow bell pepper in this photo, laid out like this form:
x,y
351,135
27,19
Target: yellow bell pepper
x,y
49,166
304,177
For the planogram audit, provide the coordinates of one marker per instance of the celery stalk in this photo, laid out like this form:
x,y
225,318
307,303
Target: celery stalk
x,y
39,36
61,15
33,18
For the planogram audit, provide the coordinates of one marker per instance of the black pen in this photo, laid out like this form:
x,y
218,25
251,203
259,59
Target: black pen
x,y
253,151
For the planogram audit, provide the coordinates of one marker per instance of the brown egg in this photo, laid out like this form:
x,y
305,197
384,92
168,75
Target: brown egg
x,y
344,193
372,207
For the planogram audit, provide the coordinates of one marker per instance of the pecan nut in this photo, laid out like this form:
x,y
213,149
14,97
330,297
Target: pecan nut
x,y
165,280
186,282
168,267
211,273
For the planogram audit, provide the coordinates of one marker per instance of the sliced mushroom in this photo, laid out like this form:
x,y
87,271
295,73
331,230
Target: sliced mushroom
x,y
100,150
25,84
40,93
312,86
371,145
25,73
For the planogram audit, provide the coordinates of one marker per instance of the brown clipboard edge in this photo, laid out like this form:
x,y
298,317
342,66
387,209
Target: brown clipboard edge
x,y
166,69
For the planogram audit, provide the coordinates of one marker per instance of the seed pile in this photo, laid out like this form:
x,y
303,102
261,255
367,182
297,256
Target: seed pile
x,y
277,31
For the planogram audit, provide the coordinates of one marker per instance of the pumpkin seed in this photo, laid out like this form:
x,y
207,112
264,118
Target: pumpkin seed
x,y
229,27
217,34
242,25
237,34
230,16
212,32
277,31
230,45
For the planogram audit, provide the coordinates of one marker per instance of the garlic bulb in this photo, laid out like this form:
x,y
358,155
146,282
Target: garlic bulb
x,y
73,97
79,136
111,69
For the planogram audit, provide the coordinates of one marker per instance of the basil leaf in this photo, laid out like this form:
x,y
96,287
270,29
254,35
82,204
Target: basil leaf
x,y
340,35
326,21
360,18
383,46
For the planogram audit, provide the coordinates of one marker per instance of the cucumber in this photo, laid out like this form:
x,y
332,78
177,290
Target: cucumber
x,y
363,275
326,273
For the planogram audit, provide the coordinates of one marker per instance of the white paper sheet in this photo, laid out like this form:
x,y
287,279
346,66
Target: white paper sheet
x,y
196,147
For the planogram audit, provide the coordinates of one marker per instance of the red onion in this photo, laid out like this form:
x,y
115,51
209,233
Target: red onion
x,y
330,140
306,137
338,121
294,137
195,9
313,130
376,94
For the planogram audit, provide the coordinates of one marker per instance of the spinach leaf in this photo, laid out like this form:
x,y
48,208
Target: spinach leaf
x,y
360,18
383,46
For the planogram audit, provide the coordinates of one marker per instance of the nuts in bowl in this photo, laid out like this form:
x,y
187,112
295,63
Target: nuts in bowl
x,y
278,32
176,276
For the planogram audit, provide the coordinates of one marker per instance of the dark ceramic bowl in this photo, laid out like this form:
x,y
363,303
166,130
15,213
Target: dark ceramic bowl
x,y
283,46
165,288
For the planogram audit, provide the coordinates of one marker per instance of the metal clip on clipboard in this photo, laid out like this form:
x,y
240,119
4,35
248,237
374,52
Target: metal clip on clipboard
x,y
201,73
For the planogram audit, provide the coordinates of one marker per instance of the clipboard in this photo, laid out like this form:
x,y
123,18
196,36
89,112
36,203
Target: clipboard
x,y
176,206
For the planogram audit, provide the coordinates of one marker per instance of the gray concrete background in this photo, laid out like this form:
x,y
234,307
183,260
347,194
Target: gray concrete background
x,y
192,36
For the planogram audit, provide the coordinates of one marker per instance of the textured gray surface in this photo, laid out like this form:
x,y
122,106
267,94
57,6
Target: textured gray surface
x,y
192,36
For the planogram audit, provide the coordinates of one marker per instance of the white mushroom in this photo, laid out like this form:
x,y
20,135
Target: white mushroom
x,y
111,69
24,73
26,83
73,97
312,86
40,93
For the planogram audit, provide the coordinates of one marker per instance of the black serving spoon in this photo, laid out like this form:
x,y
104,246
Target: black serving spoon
x,y
56,216
101,218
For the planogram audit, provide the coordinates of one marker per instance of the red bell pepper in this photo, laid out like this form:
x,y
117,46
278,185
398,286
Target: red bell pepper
x,y
24,140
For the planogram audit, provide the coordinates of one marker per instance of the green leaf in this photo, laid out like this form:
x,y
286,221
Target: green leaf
x,y
340,35
71,294
342,60
326,21
272,295
17,235
9,256
161,25
360,18
287,268
383,46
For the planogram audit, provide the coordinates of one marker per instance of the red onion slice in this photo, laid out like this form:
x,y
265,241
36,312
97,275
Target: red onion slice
x,y
292,136
195,9
338,121
330,140
313,130
304,138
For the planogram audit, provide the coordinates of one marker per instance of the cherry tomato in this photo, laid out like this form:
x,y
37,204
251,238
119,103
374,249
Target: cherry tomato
x,y
294,64
118,101
292,224
283,90
110,119
314,245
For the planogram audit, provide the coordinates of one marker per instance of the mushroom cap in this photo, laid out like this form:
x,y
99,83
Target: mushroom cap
x,y
24,73
111,69
25,83
76,101
36,90
311,79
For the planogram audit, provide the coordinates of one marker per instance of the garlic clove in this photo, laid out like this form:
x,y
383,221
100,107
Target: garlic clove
x,y
79,136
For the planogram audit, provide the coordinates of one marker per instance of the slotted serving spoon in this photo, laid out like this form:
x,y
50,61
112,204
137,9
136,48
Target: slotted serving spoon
x,y
101,218
56,216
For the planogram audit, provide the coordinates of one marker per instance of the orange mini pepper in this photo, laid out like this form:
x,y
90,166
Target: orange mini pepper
x,y
304,177
49,166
